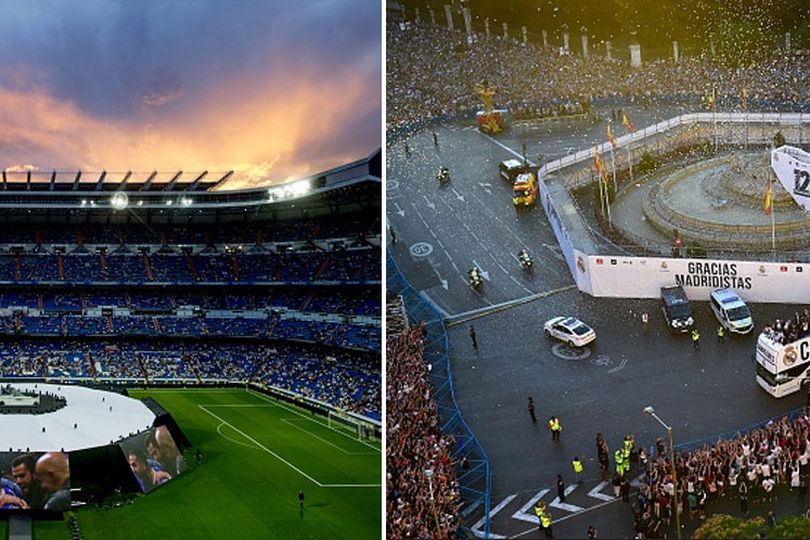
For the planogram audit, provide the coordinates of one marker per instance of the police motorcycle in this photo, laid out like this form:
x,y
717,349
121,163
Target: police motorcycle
x,y
475,278
526,261
443,175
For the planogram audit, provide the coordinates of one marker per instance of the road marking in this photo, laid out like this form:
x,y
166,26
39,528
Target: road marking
x,y
458,195
476,529
514,153
555,251
430,205
523,514
596,492
461,318
400,211
534,529
484,273
525,288
485,187
565,506
620,367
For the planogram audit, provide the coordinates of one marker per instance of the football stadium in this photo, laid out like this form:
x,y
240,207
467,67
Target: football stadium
x,y
182,361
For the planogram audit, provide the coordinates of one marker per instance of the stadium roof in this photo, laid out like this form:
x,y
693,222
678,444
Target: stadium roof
x,y
107,192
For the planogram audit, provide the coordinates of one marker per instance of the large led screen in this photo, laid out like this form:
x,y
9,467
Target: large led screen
x,y
153,457
35,481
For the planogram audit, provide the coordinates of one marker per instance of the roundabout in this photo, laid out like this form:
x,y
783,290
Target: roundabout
x,y
603,387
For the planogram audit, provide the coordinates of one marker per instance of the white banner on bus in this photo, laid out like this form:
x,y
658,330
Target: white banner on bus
x,y
640,277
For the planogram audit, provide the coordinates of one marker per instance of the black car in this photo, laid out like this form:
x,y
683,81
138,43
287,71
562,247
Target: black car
x,y
677,309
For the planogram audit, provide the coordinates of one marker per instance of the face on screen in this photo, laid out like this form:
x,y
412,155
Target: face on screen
x,y
35,481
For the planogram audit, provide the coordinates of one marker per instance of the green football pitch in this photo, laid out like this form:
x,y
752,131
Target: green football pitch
x,y
258,453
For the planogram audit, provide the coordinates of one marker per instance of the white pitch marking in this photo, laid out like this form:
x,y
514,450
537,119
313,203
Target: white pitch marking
x,y
279,404
565,506
476,529
333,445
596,492
523,514
260,445
219,427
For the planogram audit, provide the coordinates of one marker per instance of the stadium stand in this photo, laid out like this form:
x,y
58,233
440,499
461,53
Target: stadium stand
x,y
248,288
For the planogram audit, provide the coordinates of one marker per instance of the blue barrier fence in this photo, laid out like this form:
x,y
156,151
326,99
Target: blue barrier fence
x,y
474,479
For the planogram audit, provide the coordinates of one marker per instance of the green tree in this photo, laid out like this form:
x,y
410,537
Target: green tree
x,y
723,526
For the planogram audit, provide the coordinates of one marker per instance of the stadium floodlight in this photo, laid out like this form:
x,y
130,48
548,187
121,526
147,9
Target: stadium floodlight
x,y
168,203
185,201
140,203
119,201
84,202
297,189
92,203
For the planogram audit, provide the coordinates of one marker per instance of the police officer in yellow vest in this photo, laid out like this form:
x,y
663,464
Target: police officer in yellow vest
x,y
721,334
545,524
539,510
578,468
695,339
556,427
618,456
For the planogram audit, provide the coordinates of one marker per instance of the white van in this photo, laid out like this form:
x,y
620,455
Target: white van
x,y
731,311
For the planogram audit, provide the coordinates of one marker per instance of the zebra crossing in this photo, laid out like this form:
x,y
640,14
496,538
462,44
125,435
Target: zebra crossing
x,y
511,516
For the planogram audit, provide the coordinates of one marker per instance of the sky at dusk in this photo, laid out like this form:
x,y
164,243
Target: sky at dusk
x,y
273,89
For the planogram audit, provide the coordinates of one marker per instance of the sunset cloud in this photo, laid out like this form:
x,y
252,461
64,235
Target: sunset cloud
x,y
284,93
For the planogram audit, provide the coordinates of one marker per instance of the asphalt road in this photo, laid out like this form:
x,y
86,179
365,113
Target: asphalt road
x,y
443,231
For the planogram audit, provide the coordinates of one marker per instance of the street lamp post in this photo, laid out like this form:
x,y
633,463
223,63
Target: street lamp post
x,y
429,475
649,410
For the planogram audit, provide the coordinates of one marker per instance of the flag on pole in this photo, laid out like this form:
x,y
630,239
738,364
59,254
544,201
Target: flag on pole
x,y
599,166
610,136
713,98
744,98
603,173
769,198
628,125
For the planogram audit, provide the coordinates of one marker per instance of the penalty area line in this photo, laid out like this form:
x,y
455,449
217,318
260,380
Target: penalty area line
x,y
260,445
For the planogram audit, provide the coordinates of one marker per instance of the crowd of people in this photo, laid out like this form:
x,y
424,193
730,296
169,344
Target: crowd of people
x,y
422,491
748,466
432,72
238,233
348,379
337,264
789,330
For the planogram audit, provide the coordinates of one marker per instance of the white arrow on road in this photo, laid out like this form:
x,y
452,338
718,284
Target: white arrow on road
x,y
565,506
429,204
458,195
596,492
476,529
523,514
486,186
400,211
484,274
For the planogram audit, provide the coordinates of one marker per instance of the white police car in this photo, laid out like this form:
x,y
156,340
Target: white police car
x,y
570,330
731,311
